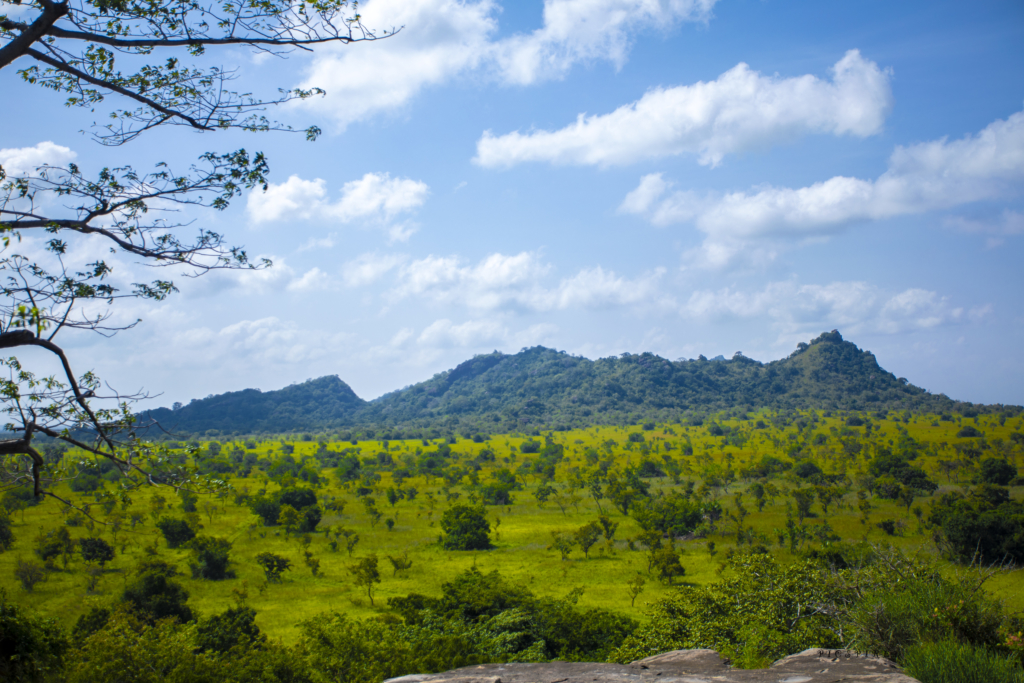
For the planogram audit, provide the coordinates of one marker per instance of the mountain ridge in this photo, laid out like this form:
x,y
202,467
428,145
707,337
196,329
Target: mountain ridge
x,y
538,386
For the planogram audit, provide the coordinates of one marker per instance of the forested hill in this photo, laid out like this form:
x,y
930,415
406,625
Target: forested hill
x,y
321,403
542,387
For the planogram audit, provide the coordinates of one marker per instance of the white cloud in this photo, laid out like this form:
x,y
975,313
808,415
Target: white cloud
x,y
472,333
491,333
576,31
312,280
443,39
741,110
853,307
21,160
318,243
440,40
293,199
369,268
375,199
500,281
924,177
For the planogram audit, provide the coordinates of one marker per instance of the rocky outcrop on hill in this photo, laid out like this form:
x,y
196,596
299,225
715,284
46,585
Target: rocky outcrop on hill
x,y
684,666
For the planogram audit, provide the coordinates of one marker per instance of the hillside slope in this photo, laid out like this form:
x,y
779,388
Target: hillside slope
x,y
544,387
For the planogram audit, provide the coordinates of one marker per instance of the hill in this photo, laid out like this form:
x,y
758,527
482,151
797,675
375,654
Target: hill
x,y
542,387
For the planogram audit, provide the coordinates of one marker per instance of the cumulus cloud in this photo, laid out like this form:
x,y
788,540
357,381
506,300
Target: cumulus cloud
x,y
576,31
376,199
854,307
502,281
369,268
929,176
21,160
312,280
443,39
741,110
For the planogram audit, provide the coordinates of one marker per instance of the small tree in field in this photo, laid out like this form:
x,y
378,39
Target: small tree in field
x,y
400,564
636,587
29,573
273,565
586,536
366,573
563,542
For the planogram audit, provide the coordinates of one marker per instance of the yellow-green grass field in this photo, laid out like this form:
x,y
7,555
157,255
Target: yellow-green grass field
x,y
521,532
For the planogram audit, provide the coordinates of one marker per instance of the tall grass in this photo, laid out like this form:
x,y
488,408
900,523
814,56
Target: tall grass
x,y
960,663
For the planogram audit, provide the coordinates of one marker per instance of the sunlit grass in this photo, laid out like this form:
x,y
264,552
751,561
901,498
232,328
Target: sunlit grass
x,y
523,534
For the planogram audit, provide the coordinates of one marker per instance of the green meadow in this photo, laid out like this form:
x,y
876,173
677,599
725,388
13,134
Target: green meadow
x,y
719,460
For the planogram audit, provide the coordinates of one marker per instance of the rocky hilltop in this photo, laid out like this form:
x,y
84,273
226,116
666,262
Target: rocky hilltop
x,y
684,666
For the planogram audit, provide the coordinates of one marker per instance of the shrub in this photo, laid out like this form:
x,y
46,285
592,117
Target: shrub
x,y
53,544
960,663
995,471
985,522
155,596
465,528
266,509
31,649
234,628
210,558
6,533
176,532
753,618
29,573
96,550
968,432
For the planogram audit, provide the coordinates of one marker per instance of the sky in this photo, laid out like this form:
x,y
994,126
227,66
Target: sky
x,y
682,177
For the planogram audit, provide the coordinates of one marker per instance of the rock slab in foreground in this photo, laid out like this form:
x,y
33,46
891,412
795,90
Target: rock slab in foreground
x,y
684,666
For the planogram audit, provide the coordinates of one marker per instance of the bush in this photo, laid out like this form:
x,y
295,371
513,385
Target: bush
x,y
29,573
985,522
176,532
1000,472
155,596
465,528
210,558
6,533
266,509
96,550
31,649
968,432
960,663
234,628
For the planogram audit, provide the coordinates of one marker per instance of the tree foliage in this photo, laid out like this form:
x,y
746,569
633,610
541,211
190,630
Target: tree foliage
x,y
140,66
465,528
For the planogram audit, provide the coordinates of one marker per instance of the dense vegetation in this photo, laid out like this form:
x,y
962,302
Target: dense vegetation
x,y
540,387
754,534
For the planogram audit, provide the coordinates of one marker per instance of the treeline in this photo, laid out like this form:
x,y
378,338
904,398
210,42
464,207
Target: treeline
x,y
871,599
540,387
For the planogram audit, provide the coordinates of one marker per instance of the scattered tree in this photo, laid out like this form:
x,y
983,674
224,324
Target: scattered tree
x,y
465,528
366,573
96,550
177,532
273,565
586,536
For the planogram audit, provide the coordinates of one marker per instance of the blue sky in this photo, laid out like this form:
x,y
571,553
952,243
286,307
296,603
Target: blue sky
x,y
603,176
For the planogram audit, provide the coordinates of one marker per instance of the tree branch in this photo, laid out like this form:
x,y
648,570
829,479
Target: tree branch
x,y
52,12
68,69
196,42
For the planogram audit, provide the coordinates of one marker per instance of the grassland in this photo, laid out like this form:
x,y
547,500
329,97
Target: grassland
x,y
521,532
